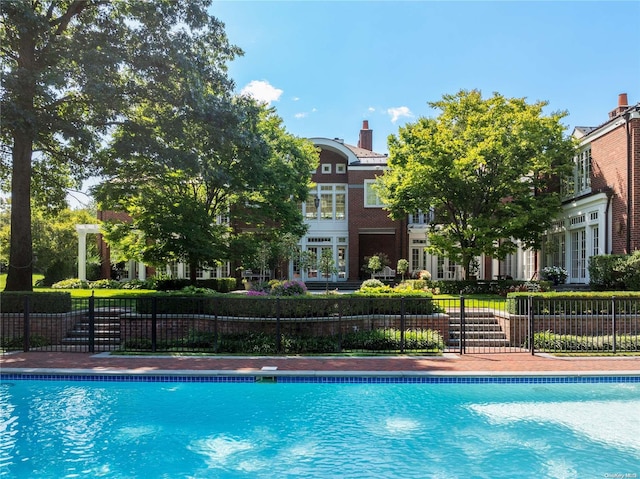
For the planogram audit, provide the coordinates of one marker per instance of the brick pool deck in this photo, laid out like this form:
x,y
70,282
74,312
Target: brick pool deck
x,y
453,364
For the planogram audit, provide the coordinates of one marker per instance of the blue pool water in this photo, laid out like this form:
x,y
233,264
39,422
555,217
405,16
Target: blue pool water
x,y
65,429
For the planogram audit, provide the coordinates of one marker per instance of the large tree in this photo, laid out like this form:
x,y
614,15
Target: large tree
x,y
70,68
484,166
211,185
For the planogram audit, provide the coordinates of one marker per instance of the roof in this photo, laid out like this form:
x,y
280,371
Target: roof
x,y
581,131
367,156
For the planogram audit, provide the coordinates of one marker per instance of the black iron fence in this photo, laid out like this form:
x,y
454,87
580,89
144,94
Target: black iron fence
x,y
328,325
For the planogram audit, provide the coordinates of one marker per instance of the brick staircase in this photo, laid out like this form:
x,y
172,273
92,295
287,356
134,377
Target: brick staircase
x,y
482,330
106,330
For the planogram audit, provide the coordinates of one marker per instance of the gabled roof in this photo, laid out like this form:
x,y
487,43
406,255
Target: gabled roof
x,y
580,131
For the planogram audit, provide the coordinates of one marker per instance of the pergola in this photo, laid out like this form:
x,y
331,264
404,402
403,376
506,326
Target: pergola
x,y
83,231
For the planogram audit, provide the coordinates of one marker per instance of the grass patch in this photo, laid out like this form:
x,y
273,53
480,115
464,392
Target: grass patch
x,y
3,280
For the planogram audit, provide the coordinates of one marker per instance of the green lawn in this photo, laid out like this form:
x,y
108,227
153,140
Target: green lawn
x,y
3,280
84,293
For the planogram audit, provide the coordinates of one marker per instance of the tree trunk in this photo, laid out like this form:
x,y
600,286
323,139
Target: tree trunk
x,y
20,272
193,272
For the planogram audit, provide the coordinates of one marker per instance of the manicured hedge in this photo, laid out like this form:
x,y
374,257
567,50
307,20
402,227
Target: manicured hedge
x,y
550,341
261,343
39,302
307,306
574,303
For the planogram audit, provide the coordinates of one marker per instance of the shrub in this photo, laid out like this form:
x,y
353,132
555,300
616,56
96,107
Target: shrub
x,y
391,340
288,288
17,343
372,284
105,284
39,302
71,284
606,272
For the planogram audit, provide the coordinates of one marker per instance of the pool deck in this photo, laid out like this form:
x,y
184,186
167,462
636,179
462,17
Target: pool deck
x,y
491,364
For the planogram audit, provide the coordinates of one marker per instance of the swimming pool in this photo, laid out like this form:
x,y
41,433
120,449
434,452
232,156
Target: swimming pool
x,y
299,427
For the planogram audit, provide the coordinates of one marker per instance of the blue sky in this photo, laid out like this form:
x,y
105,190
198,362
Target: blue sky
x,y
327,66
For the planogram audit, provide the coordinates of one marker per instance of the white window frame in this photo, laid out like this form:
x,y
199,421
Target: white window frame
x,y
326,168
368,187
341,168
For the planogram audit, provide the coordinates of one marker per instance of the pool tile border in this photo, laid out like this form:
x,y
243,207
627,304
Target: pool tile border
x,y
322,377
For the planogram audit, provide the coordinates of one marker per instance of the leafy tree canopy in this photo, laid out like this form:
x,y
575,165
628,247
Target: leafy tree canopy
x,y
204,185
484,166
72,70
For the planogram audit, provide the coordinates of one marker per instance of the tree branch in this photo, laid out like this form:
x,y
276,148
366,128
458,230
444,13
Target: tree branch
x,y
74,9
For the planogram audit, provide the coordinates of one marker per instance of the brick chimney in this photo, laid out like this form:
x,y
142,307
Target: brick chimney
x,y
366,137
623,104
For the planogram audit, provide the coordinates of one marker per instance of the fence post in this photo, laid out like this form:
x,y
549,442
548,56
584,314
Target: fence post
x,y
215,325
613,323
154,323
340,304
92,322
26,326
530,332
278,332
402,324
463,346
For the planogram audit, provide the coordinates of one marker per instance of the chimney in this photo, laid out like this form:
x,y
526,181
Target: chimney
x,y
366,137
623,104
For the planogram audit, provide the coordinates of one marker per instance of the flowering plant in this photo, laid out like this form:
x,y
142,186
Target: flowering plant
x,y
557,274
288,288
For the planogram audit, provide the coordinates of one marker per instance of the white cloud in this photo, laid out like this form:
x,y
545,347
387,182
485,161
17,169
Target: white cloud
x,y
295,98
300,115
262,91
371,109
398,112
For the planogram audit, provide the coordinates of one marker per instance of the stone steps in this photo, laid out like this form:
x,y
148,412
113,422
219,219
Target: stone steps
x,y
481,330
106,332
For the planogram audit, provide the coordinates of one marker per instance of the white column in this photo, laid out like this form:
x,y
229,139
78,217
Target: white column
x,y
82,254
142,271
82,231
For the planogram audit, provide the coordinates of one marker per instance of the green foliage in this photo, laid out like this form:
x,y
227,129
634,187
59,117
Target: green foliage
x,y
73,283
76,69
250,173
41,302
391,340
374,264
260,343
615,272
55,242
288,288
17,343
564,303
467,162
402,267
550,341
605,272
372,284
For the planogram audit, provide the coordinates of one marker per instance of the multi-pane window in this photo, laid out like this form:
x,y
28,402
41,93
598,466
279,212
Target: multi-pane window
x,y
580,181
326,202
421,218
595,241
371,198
578,254
310,211
331,200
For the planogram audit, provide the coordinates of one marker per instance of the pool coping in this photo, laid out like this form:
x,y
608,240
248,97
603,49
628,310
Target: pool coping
x,y
273,373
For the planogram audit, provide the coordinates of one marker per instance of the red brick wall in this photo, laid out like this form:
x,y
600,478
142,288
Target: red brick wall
x,y
609,168
392,242
332,158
